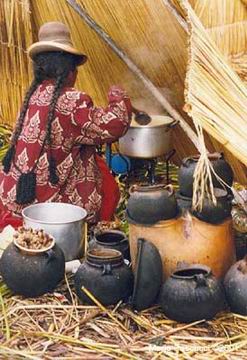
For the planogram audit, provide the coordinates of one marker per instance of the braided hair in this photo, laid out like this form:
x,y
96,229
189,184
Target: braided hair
x,y
52,65
9,156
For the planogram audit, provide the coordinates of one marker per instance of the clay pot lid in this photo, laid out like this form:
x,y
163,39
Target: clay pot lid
x,y
157,120
148,275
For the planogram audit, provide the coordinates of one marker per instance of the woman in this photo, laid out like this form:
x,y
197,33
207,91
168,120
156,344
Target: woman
x,y
52,156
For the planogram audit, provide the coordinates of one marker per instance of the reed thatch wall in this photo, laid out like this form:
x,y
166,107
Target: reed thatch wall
x,y
144,29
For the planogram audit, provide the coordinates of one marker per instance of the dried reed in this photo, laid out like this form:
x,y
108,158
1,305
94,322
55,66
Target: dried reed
x,y
55,326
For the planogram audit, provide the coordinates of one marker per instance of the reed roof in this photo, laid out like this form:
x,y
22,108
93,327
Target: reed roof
x,y
145,29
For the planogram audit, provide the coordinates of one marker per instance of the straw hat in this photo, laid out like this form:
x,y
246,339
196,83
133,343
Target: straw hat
x,y
55,36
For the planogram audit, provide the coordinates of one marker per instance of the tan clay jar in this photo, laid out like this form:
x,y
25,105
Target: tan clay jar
x,y
187,240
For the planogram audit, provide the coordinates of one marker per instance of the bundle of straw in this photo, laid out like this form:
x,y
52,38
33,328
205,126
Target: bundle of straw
x,y
15,37
226,23
216,100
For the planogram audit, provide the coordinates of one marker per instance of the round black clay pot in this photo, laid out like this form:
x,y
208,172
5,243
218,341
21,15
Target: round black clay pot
x,y
32,273
110,239
186,172
215,214
150,204
105,275
192,294
184,202
235,283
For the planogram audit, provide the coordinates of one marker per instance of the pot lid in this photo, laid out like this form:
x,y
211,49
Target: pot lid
x,y
148,275
156,120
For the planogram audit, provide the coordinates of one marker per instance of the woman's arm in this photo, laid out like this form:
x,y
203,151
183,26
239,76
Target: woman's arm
x,y
98,125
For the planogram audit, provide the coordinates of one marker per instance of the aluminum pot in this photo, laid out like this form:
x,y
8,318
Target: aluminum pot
x,y
148,141
65,222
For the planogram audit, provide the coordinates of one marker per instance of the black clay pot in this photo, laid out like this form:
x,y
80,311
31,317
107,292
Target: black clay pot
x,y
235,283
192,294
215,214
105,275
150,204
186,172
110,239
32,274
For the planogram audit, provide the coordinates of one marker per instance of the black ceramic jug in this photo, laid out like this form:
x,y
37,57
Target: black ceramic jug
x,y
192,294
110,239
105,275
215,213
186,172
32,273
236,287
152,203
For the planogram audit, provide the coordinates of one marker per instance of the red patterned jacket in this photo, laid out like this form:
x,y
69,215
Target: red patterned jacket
x,y
77,128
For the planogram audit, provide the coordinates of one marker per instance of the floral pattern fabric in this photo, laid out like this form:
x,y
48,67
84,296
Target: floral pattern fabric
x,y
77,128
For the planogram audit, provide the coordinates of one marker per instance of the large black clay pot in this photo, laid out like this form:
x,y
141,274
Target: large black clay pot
x,y
150,204
192,294
236,287
110,239
32,274
105,275
186,172
215,214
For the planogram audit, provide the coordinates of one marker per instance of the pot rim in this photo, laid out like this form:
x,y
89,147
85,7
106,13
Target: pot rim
x,y
115,254
211,156
117,232
35,251
166,118
26,217
156,187
203,268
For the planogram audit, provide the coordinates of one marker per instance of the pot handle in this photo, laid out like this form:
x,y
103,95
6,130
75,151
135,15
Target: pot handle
x,y
107,269
186,161
172,124
200,280
133,188
170,189
50,254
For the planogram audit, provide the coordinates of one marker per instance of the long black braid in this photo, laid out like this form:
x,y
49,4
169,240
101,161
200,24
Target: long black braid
x,y
47,65
9,156
57,90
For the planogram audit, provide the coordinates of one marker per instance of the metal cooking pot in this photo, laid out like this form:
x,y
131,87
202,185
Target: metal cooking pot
x,y
65,222
148,141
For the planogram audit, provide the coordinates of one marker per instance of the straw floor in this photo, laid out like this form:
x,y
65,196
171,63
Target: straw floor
x,y
56,327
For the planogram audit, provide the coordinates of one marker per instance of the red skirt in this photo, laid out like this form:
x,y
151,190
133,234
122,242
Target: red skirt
x,y
110,199
110,192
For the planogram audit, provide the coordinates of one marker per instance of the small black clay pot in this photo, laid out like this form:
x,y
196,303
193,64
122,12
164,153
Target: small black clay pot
x,y
192,294
235,283
186,172
31,273
110,239
150,204
215,214
105,275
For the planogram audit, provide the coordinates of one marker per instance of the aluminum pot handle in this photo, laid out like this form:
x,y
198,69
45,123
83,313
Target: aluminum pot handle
x,y
172,124
50,255
200,280
133,188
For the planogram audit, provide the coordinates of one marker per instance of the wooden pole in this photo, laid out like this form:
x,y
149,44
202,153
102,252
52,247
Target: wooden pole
x,y
131,65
